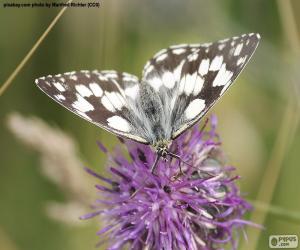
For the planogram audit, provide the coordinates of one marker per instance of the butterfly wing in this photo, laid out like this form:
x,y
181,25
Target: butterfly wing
x,y
191,78
103,98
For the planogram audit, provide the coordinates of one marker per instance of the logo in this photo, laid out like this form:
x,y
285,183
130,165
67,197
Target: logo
x,y
283,241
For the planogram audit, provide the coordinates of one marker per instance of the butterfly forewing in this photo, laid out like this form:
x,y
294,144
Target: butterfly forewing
x,y
103,98
179,85
191,78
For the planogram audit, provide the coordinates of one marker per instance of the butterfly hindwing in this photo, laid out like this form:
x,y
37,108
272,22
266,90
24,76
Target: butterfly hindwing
x,y
191,78
103,98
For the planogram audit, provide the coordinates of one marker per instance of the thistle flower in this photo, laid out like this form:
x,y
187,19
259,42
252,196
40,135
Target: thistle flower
x,y
199,209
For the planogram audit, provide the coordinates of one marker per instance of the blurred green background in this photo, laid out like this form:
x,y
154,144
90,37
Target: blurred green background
x,y
258,117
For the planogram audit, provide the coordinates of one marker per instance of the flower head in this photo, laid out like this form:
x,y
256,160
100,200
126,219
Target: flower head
x,y
200,208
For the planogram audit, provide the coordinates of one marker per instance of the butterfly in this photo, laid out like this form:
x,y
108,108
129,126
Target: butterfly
x,y
178,86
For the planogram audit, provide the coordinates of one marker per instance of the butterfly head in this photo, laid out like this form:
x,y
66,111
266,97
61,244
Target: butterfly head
x,y
162,148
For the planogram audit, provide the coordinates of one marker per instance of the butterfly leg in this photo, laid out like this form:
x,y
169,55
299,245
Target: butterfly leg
x,y
152,171
155,164
181,173
138,190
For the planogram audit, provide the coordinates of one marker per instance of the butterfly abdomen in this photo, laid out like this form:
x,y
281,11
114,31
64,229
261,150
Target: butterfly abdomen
x,y
153,114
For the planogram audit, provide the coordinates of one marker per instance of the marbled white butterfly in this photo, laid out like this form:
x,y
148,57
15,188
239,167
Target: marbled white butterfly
x,y
178,86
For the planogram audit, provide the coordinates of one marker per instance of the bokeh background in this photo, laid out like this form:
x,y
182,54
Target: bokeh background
x,y
43,188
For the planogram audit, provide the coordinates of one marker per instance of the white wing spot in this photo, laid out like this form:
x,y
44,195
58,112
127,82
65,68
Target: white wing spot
x,y
195,50
132,91
96,89
83,90
238,49
107,104
70,73
178,51
224,40
216,63
198,85
102,77
81,104
190,81
161,57
221,46
194,108
59,86
87,75
192,57
177,70
241,61
222,77
62,79
111,74
155,82
168,79
73,77
204,65
119,123
59,97
149,69
116,99
181,85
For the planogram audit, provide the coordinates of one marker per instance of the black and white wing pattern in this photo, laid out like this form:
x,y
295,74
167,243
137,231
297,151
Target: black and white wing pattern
x,y
191,78
101,97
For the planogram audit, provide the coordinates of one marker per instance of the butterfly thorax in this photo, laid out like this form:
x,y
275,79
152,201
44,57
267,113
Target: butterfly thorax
x,y
161,147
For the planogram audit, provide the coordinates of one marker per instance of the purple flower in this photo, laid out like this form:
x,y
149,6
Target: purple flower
x,y
200,209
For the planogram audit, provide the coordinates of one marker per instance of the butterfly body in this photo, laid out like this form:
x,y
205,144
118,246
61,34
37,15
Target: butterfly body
x,y
178,87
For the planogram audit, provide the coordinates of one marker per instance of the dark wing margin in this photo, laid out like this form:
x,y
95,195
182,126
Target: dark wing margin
x,y
100,97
